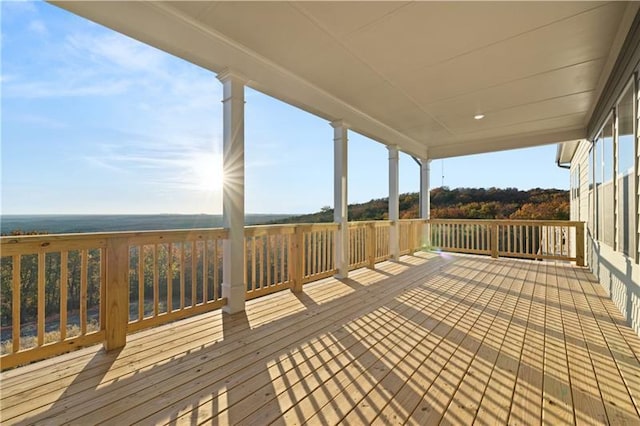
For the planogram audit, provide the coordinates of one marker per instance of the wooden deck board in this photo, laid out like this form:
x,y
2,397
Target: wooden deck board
x,y
469,338
498,396
466,399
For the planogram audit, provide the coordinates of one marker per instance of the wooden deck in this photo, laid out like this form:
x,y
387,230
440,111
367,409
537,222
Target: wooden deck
x,y
431,339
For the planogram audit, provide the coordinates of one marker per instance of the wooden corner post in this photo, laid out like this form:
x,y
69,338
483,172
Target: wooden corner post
x,y
580,244
298,259
117,293
494,240
371,245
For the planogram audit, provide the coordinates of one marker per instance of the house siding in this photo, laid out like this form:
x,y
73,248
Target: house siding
x,y
618,273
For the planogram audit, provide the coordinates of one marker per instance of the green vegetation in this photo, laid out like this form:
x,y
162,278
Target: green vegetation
x,y
460,203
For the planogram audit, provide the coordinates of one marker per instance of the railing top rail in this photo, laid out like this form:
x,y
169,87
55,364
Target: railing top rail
x,y
21,244
320,226
13,239
256,230
367,222
511,222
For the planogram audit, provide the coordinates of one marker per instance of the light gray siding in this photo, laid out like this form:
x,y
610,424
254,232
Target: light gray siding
x,y
618,273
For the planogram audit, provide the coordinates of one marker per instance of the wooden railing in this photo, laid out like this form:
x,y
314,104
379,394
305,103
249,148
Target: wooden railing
x,y
268,255
410,235
359,244
316,244
369,242
47,318
173,275
382,246
561,240
67,291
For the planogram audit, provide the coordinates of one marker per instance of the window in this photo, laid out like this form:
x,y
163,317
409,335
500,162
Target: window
x,y
577,192
591,209
606,204
578,181
597,182
624,175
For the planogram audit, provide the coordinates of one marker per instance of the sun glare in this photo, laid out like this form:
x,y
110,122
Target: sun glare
x,y
207,173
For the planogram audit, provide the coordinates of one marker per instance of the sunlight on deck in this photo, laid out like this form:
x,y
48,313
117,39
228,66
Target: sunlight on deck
x,y
430,338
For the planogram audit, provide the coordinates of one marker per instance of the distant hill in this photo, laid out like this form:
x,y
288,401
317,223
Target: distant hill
x,y
460,203
63,224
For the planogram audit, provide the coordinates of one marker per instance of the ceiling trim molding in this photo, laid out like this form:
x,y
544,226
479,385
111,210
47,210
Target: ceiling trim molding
x,y
501,144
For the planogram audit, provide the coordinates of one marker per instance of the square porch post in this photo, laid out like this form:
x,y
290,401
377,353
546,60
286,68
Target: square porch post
x,y
425,199
394,203
340,199
233,263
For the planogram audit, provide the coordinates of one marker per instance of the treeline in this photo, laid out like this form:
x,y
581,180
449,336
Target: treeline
x,y
460,203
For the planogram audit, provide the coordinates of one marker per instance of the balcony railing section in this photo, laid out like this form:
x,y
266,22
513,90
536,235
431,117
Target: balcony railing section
x,y
317,251
59,292
39,315
173,275
269,255
559,240
381,236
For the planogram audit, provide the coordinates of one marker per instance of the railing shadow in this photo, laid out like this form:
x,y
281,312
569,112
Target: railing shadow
x,y
215,381
126,392
92,375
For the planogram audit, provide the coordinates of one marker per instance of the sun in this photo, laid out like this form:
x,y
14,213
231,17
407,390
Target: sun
x,y
207,172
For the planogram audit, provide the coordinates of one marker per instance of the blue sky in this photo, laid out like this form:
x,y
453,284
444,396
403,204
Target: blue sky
x,y
94,122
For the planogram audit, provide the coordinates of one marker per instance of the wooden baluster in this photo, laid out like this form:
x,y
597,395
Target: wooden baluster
x,y
194,272
83,291
170,278
314,256
140,282
64,294
282,258
182,274
253,263
15,301
205,271
324,237
156,282
103,286
216,271
268,259
41,298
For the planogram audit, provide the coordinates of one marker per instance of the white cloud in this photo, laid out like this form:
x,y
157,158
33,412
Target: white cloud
x,y
116,49
18,6
37,120
38,27
58,89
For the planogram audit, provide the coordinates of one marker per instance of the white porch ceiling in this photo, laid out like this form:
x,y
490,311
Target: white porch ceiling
x,y
411,74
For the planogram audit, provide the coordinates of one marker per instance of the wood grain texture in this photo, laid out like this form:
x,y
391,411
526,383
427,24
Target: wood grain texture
x,y
432,339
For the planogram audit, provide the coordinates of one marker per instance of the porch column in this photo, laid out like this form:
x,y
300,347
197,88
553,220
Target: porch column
x,y
233,286
425,200
394,202
340,196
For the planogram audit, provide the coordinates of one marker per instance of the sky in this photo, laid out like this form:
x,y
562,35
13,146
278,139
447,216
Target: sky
x,y
94,122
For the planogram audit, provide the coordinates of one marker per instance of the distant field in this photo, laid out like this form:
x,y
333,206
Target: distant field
x,y
63,224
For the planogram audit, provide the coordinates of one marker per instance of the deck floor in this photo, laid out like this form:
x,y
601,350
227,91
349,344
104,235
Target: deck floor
x,y
449,339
